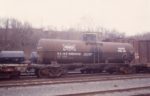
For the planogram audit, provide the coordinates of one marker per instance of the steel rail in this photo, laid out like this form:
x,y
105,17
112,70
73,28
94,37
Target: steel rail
x,y
69,80
108,91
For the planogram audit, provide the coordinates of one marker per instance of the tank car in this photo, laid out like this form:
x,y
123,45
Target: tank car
x,y
71,51
10,63
89,54
14,57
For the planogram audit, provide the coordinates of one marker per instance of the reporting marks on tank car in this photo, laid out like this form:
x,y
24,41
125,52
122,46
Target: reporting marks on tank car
x,y
121,49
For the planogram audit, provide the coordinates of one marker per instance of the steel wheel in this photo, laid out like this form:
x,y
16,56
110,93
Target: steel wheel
x,y
125,70
55,72
43,73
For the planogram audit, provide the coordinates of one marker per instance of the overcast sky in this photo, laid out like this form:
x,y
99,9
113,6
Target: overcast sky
x,y
129,16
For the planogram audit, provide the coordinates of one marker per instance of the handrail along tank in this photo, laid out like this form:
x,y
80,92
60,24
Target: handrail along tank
x,y
88,50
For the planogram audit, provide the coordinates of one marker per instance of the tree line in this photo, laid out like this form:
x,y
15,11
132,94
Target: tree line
x,y
17,35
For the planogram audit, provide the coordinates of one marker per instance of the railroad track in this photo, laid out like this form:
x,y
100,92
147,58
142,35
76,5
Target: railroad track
x,y
114,92
70,79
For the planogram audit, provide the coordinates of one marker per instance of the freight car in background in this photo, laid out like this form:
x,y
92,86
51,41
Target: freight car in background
x,y
16,57
11,63
142,55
